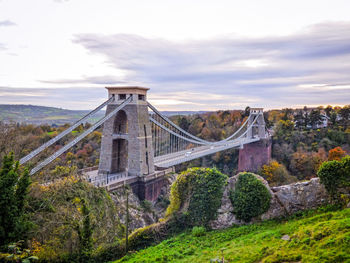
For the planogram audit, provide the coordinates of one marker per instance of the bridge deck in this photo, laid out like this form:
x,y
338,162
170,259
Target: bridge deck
x,y
198,152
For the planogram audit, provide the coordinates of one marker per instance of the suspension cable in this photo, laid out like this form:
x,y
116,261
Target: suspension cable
x,y
174,125
196,142
64,133
80,137
192,136
174,133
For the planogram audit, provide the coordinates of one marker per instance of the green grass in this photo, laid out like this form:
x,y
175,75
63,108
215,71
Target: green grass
x,y
315,236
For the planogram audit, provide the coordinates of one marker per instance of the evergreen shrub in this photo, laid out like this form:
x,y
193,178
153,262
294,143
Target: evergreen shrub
x,y
250,198
334,175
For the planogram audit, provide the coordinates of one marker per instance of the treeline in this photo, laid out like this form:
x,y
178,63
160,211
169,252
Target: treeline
x,y
302,139
301,143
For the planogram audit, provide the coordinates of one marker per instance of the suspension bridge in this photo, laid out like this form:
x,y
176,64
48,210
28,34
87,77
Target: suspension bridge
x,y
139,144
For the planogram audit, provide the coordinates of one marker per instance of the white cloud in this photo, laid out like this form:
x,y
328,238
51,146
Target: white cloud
x,y
7,23
224,54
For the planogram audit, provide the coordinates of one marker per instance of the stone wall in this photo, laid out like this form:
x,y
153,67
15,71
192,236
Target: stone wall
x,y
286,200
149,190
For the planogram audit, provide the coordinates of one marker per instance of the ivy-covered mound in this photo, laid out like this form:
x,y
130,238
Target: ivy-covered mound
x,y
194,199
196,194
250,198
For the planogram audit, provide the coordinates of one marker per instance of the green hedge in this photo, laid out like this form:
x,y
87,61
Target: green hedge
x,y
334,175
250,198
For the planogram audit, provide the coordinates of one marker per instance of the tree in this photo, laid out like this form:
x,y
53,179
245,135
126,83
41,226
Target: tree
x,y
336,154
184,123
250,197
333,118
276,174
299,119
284,129
306,117
287,114
334,175
315,118
246,111
85,233
345,115
328,110
13,196
305,164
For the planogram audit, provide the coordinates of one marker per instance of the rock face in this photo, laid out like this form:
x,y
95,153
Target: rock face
x,y
286,199
138,216
300,196
142,214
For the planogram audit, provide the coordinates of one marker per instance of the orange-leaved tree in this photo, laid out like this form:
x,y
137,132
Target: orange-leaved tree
x,y
336,154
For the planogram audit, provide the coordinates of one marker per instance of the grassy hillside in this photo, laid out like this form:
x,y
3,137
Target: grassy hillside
x,y
40,115
315,236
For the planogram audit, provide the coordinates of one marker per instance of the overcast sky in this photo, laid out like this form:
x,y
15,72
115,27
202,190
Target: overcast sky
x,y
192,54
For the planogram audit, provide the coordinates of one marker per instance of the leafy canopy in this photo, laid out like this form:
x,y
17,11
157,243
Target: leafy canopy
x,y
250,198
334,175
13,196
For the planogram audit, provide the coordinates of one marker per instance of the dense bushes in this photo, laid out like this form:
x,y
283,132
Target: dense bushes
x,y
334,175
14,224
197,194
250,198
276,174
59,207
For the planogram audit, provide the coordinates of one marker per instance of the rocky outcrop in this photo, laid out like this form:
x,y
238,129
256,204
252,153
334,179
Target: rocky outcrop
x,y
286,199
138,215
145,213
301,196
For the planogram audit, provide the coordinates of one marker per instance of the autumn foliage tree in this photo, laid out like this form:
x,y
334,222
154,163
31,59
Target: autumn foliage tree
x,y
305,164
276,174
336,154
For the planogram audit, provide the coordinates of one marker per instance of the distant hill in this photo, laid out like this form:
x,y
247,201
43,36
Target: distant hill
x,y
31,114
173,113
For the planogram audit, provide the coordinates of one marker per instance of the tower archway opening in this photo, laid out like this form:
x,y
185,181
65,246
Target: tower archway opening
x,y
119,156
121,123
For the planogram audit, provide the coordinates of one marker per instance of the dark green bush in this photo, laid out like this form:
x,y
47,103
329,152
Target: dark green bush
x,y
14,186
250,198
197,193
334,175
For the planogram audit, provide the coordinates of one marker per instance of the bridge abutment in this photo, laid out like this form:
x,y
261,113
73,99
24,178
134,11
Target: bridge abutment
x,y
254,155
150,187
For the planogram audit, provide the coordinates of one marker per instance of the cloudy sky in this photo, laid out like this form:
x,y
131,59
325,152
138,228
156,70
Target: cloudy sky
x,y
192,54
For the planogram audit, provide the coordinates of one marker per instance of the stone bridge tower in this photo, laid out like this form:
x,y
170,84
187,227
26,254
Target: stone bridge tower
x,y
126,146
254,155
